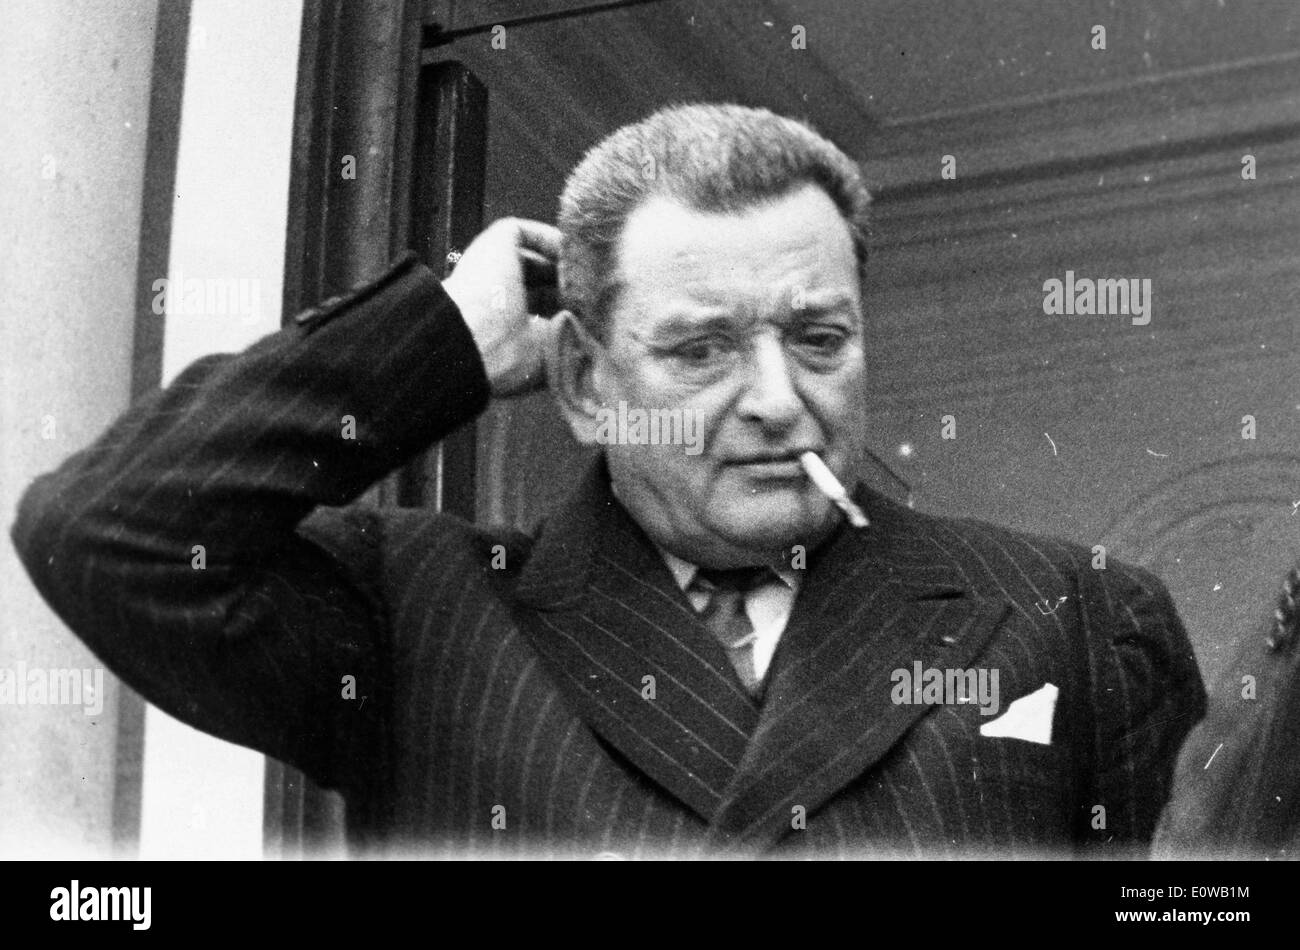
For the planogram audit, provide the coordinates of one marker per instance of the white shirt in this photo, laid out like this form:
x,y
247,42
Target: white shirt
x,y
767,606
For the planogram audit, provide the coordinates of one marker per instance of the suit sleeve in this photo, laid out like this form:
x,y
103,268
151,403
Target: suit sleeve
x,y
171,546
1147,694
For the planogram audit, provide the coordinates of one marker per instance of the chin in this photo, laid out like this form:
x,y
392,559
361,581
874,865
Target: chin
x,y
765,526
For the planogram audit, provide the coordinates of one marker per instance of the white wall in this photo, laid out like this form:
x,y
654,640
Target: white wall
x,y
202,797
74,105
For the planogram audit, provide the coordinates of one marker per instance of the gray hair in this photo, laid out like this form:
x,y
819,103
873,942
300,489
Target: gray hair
x,y
711,158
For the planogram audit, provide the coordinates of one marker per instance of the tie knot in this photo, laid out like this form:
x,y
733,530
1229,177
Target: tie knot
x,y
739,580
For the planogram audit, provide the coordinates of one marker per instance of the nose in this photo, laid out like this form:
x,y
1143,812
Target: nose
x,y
770,397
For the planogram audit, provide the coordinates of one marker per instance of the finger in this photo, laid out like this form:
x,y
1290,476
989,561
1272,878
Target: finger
x,y
538,336
538,236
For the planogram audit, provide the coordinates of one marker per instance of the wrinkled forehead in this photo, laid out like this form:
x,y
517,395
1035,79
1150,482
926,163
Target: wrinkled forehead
x,y
791,253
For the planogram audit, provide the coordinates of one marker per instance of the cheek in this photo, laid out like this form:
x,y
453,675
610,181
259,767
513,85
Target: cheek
x,y
837,400
680,482
640,383
703,410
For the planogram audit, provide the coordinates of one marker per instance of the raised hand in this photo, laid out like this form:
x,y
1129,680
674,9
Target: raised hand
x,y
503,284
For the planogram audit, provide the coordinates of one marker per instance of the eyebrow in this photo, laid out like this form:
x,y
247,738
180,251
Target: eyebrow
x,y
685,322
682,324
821,301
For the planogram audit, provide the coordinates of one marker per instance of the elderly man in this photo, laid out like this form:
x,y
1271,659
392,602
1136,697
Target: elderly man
x,y
698,654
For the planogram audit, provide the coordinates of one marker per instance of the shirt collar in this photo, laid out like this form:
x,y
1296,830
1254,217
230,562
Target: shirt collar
x,y
683,571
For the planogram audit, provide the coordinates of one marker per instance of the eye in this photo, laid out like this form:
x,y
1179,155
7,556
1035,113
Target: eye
x,y
701,351
821,339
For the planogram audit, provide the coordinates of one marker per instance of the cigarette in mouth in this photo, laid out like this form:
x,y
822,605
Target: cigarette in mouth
x,y
830,486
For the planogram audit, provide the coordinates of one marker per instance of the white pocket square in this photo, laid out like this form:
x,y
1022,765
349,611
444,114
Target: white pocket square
x,y
1029,718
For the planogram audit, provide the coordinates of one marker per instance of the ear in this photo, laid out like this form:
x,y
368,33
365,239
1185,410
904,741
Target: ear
x,y
572,369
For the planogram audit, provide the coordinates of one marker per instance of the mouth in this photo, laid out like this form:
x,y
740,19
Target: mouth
x,y
782,466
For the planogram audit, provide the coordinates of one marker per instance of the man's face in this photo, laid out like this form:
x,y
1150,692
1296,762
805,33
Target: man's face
x,y
750,324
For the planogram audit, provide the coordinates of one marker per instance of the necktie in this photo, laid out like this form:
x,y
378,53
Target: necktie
x,y
724,616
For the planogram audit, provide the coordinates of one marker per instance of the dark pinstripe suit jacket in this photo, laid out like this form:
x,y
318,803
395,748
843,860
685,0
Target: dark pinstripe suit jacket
x,y
504,711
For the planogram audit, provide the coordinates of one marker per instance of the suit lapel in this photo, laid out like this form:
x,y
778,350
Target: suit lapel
x,y
873,601
602,610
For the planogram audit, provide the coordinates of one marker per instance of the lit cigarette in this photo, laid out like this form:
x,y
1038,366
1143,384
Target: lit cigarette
x,y
830,486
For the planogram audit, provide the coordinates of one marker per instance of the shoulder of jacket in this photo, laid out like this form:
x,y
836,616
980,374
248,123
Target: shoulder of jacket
x,y
1026,547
